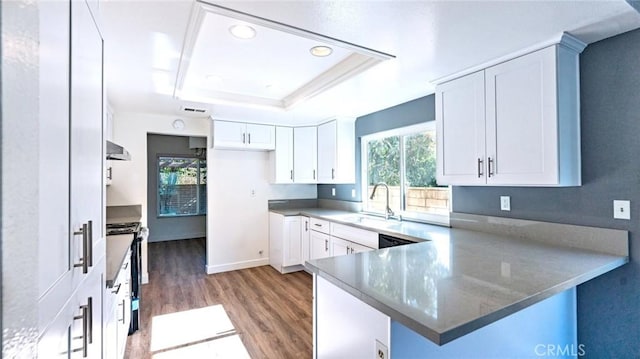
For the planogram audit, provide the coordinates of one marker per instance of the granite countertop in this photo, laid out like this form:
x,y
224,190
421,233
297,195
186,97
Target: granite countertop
x,y
461,280
117,247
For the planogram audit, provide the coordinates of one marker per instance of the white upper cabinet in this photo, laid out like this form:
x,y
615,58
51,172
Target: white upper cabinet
x,y
460,130
336,152
282,157
305,154
238,135
514,124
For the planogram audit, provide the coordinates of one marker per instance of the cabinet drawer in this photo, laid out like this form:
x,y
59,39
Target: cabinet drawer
x,y
320,225
353,234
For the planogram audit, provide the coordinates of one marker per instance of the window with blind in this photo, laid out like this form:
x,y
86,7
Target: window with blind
x,y
182,186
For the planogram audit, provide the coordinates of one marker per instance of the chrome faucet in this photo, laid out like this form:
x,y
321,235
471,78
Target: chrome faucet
x,y
389,212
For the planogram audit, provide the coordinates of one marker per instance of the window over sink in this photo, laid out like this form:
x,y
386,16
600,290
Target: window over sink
x,y
182,186
405,160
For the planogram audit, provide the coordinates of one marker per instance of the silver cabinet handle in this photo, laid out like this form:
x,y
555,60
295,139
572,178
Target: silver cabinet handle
x,y
491,167
84,316
90,320
122,304
291,174
306,226
117,289
243,137
333,173
314,174
317,224
84,262
326,245
89,240
109,174
249,137
480,162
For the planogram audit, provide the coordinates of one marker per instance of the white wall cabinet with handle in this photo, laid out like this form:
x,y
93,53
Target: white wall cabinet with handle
x,y
516,123
305,156
282,158
243,136
336,151
71,234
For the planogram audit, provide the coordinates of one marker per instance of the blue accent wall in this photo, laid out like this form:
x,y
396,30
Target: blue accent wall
x,y
608,306
409,113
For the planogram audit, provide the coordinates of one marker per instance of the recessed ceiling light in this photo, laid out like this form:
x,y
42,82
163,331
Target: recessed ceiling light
x,y
242,31
321,51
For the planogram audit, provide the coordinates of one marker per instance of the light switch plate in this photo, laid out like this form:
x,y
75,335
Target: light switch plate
x,y
621,209
333,191
505,203
353,193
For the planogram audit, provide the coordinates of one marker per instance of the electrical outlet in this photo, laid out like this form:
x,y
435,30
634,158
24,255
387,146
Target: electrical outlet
x,y
382,352
353,193
505,203
621,209
333,191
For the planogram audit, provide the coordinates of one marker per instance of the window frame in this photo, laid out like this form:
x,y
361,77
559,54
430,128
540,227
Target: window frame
x,y
198,191
401,132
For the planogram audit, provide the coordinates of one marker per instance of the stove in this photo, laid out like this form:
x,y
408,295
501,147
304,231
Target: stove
x,y
123,228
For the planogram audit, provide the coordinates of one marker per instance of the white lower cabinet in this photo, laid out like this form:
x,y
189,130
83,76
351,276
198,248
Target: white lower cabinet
x,y
320,245
285,242
345,327
305,231
118,312
341,247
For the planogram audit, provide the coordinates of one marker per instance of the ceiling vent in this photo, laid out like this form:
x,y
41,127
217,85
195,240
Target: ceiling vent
x,y
194,111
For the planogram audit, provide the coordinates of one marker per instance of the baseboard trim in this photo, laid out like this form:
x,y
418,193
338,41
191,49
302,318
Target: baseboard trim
x,y
219,268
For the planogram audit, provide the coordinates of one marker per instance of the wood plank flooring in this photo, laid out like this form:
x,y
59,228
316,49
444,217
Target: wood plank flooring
x,y
271,312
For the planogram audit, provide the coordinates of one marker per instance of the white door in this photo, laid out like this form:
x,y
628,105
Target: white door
x,y
460,131
305,232
282,157
292,241
86,136
305,154
228,134
340,247
54,153
261,137
320,245
327,143
521,120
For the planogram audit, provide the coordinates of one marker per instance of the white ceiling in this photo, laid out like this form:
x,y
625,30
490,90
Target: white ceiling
x,y
430,39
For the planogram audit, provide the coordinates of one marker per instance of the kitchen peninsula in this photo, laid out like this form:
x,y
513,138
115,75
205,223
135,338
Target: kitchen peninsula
x,y
488,287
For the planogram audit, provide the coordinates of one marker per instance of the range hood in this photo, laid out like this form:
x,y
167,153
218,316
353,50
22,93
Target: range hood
x,y
117,152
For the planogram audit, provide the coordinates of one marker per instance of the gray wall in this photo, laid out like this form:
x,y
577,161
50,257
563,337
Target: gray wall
x,y
406,114
608,306
171,228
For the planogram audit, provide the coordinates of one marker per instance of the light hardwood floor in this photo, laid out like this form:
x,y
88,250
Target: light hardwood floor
x,y
270,312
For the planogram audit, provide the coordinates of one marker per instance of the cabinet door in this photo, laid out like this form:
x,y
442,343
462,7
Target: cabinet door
x,y
320,245
54,340
305,231
460,131
229,134
340,247
86,141
305,154
521,120
90,294
359,248
282,157
292,241
261,137
54,152
327,147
